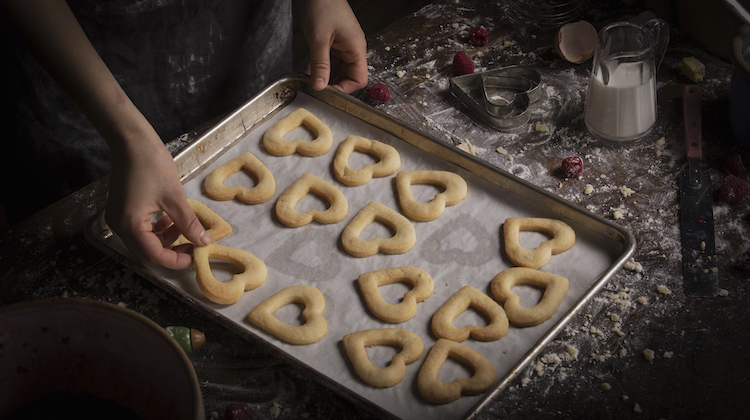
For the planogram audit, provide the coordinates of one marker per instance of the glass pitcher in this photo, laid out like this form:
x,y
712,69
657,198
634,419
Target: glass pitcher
x,y
621,96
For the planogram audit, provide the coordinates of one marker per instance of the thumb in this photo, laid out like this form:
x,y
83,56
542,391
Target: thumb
x,y
320,64
187,222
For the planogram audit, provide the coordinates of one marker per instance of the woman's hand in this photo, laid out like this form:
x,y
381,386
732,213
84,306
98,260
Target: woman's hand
x,y
338,49
144,182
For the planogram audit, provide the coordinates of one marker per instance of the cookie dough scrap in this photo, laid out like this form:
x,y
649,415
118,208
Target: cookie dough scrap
x,y
382,377
454,191
403,240
563,238
216,227
468,296
421,283
253,274
438,392
309,183
275,143
315,326
388,162
554,286
262,191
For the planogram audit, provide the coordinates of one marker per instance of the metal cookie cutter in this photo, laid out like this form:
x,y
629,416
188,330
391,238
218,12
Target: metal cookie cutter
x,y
486,94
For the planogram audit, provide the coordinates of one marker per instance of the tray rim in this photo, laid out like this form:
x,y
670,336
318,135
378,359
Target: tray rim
x,y
282,92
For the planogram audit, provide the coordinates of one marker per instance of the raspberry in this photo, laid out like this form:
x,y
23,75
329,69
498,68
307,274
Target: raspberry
x,y
734,165
462,64
733,189
379,92
743,261
479,35
572,166
238,412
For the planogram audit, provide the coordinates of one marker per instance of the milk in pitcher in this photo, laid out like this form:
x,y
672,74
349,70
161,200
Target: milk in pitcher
x,y
623,108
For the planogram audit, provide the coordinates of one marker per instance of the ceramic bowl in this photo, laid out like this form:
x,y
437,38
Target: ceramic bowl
x,y
93,348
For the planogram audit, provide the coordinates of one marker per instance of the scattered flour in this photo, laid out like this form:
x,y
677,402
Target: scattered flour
x,y
626,192
467,147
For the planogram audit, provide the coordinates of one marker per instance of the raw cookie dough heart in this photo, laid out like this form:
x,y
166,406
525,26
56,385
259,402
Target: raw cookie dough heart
x,y
315,326
253,274
454,186
554,286
275,144
438,392
388,161
409,343
422,286
468,296
216,227
307,183
563,238
402,241
262,191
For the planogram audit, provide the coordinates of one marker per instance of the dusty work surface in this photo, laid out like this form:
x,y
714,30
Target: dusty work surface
x,y
641,349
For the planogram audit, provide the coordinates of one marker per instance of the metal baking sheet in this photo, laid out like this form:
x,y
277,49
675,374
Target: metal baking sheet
x,y
462,247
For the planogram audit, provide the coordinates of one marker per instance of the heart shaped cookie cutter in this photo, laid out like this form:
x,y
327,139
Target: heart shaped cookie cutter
x,y
491,103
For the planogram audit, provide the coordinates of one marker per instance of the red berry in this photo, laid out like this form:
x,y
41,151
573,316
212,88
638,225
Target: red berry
x,y
743,261
733,189
379,92
734,165
572,166
462,64
479,35
238,411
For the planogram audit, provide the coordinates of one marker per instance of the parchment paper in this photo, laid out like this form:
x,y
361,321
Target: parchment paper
x,y
462,247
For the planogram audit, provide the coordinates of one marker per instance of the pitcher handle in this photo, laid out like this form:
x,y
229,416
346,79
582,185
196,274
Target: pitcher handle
x,y
660,31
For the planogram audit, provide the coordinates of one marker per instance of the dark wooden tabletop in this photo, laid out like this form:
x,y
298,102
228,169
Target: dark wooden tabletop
x,y
640,349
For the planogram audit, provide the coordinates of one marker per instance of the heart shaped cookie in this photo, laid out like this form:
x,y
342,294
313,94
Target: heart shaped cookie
x,y
215,226
275,143
468,296
409,343
563,238
315,326
309,183
454,191
422,286
262,191
438,392
554,286
402,241
388,161
253,274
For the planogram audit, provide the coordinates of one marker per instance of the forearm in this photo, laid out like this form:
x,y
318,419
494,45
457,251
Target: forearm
x,y
62,48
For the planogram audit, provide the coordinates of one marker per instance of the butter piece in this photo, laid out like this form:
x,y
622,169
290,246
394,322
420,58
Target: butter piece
x,y
693,69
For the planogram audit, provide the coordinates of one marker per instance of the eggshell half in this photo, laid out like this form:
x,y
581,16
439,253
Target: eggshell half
x,y
576,41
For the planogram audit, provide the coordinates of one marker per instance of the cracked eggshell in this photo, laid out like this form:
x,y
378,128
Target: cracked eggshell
x,y
576,41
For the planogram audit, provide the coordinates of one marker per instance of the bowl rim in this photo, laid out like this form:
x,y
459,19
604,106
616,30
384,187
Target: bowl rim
x,y
149,324
737,41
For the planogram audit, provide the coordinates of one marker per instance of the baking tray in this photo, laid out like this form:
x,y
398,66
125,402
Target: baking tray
x,y
601,249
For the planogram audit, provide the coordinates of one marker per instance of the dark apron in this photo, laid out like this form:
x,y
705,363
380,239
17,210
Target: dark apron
x,y
181,62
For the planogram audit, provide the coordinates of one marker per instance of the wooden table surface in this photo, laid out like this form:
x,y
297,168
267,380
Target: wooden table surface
x,y
700,358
